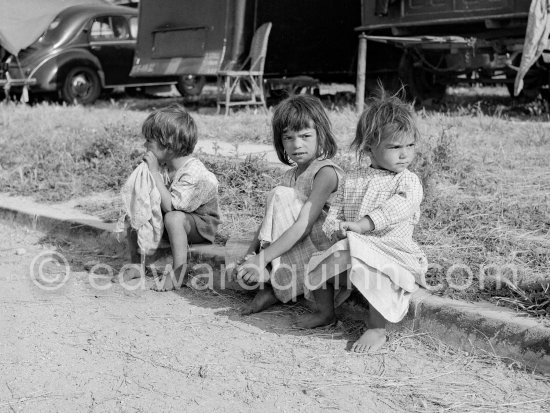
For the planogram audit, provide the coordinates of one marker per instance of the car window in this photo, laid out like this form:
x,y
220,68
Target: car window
x,y
133,26
110,28
101,29
120,28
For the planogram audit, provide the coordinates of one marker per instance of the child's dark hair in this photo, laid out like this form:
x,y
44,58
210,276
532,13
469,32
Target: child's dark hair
x,y
384,113
300,112
173,128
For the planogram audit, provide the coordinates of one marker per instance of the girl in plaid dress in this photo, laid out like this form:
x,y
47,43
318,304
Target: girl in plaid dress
x,y
291,230
374,214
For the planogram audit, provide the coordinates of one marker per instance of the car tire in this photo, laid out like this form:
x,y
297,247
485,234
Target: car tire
x,y
190,85
81,86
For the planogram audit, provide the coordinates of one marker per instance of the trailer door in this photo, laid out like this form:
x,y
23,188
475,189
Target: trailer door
x,y
177,37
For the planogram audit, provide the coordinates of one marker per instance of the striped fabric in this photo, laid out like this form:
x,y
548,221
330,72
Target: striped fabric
x,y
283,206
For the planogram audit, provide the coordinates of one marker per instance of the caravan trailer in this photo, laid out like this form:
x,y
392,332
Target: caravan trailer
x,y
195,38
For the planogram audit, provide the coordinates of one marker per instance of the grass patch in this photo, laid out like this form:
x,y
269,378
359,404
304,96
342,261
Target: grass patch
x,y
486,178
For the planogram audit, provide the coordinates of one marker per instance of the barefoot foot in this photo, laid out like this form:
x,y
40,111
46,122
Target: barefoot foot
x,y
371,340
167,282
317,319
129,273
264,298
163,283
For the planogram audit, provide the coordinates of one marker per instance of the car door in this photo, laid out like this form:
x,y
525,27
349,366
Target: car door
x,y
111,42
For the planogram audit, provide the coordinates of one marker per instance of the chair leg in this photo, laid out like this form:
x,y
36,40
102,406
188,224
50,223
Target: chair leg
x,y
218,94
254,92
230,83
227,94
262,94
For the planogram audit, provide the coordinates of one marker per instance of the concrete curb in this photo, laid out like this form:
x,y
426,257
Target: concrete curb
x,y
482,326
485,327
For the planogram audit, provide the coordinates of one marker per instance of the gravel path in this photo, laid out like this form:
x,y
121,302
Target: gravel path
x,y
91,345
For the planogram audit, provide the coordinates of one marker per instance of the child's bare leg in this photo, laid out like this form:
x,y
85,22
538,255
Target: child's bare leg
x,y
324,315
131,236
264,298
324,301
135,258
181,230
375,336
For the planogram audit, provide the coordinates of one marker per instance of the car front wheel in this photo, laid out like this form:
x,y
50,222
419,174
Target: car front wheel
x,y
81,86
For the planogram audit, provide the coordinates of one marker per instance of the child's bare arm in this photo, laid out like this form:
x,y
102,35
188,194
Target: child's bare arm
x,y
324,184
331,226
254,246
165,197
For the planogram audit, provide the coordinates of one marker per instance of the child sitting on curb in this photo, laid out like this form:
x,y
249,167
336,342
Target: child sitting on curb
x,y
291,229
187,194
376,209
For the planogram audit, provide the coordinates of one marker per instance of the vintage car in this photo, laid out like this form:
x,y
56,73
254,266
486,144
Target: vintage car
x,y
86,49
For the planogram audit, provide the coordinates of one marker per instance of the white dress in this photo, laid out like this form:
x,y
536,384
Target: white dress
x,y
385,265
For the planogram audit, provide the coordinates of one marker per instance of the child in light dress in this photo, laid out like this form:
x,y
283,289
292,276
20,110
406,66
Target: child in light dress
x,y
376,209
188,190
291,230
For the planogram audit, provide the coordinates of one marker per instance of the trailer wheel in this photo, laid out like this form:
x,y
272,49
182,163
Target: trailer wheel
x,y
419,83
533,80
190,85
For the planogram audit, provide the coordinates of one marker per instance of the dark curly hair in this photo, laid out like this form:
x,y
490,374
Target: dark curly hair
x,y
173,128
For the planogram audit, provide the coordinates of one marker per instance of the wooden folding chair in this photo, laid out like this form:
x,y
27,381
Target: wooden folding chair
x,y
251,74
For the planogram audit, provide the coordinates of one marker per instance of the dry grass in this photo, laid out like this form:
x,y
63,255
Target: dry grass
x,y
486,181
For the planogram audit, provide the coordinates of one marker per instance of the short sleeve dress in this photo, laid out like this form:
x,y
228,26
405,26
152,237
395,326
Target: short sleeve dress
x,y
194,190
283,206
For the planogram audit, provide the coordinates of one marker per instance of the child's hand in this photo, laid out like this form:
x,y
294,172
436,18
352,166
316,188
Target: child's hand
x,y
253,270
340,235
348,226
233,267
152,161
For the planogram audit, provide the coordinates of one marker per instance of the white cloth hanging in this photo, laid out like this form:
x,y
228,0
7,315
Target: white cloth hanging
x,y
536,39
142,206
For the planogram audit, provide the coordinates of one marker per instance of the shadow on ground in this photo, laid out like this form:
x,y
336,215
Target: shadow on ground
x,y
95,260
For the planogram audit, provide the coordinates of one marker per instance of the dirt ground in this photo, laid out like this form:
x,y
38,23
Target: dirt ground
x,y
91,345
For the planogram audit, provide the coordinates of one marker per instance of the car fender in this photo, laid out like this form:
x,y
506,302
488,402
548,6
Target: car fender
x,y
51,72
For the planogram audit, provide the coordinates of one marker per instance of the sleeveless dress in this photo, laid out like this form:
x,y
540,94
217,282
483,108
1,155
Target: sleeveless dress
x,y
283,206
